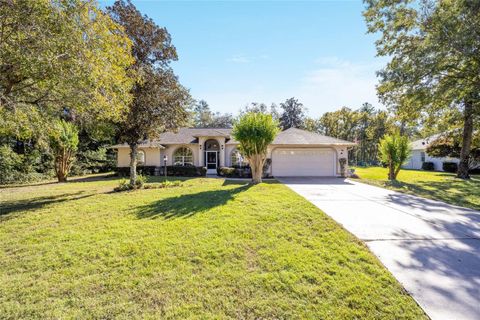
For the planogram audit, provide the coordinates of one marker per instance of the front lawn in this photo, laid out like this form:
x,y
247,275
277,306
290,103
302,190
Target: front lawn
x,y
429,184
206,249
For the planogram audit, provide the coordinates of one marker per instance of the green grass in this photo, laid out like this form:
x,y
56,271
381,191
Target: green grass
x,y
429,184
209,249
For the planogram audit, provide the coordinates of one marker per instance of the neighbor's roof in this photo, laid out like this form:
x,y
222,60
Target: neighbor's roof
x,y
422,144
298,136
292,136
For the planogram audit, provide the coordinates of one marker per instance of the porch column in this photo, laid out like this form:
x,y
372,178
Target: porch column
x,y
222,151
201,152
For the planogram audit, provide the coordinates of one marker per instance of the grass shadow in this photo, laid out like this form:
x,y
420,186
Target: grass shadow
x,y
187,205
15,206
442,190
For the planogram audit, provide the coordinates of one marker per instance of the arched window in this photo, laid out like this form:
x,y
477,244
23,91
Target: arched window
x,y
237,160
212,145
183,157
140,157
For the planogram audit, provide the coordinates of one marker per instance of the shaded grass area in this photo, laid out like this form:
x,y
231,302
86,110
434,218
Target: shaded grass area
x,y
208,249
429,184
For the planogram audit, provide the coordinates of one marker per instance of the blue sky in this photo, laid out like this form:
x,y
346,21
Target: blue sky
x,y
235,52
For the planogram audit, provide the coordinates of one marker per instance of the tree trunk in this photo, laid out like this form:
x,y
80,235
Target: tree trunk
x,y
256,164
397,170
391,171
463,166
61,177
133,164
60,166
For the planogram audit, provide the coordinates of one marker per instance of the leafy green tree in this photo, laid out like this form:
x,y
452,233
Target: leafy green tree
x,y
434,61
449,146
203,117
260,107
159,100
255,131
10,165
311,124
394,151
366,126
293,114
58,56
64,144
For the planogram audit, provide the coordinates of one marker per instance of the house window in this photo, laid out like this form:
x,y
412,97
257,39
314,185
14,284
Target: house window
x,y
183,157
140,157
422,156
237,160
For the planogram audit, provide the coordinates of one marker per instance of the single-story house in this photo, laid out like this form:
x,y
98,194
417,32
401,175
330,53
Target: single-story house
x,y
294,152
420,155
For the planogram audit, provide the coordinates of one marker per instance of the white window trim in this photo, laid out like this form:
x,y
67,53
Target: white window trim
x,y
183,157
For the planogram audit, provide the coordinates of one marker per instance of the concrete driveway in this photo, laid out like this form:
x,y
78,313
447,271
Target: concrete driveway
x,y
432,248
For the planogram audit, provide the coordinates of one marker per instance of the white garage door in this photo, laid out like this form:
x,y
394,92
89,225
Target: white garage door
x,y
319,162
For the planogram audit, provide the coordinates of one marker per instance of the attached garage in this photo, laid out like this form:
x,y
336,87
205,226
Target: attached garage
x,y
301,162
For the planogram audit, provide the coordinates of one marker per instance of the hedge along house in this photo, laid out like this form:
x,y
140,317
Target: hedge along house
x,y
294,152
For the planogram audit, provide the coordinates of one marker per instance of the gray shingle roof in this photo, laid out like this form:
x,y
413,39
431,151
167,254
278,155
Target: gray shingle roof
x,y
298,136
143,144
290,136
190,135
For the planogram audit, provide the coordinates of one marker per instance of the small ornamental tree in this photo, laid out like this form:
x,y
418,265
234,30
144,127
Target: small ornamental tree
x,y
64,143
255,131
451,146
394,151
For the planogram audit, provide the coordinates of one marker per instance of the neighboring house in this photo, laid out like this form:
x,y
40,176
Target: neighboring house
x,y
420,155
294,152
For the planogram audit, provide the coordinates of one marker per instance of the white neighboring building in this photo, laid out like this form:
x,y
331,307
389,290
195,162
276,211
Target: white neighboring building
x,y
419,155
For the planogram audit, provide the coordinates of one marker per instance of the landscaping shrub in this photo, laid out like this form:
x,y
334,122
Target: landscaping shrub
x,y
343,163
179,171
164,184
428,166
186,171
226,171
140,182
450,167
24,168
125,185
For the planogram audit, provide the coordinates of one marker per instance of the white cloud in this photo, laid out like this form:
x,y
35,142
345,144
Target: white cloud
x,y
238,58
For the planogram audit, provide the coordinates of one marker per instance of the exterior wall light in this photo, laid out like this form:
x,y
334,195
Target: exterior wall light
x,y
165,159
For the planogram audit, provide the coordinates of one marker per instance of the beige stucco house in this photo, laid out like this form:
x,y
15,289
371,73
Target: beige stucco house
x,y
294,152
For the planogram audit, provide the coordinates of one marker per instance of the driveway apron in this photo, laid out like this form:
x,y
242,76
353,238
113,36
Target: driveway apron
x,y
432,248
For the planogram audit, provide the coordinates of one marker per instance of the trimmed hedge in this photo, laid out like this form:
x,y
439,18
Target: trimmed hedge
x,y
428,166
144,170
179,171
186,171
231,172
450,167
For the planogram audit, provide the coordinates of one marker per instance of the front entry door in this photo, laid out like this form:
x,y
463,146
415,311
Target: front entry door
x,y
211,157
